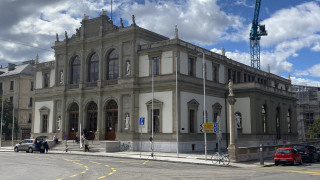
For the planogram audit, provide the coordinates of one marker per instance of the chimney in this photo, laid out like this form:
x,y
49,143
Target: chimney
x,y
11,66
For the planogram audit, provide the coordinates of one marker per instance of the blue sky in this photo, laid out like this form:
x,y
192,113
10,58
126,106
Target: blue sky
x,y
292,46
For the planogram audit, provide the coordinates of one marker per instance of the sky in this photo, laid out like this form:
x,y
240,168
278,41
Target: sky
x,y
292,46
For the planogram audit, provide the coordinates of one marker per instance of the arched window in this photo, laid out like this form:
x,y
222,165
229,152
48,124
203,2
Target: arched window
x,y
113,65
289,121
75,70
264,118
93,68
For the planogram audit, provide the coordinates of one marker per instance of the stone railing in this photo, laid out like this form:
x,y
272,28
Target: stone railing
x,y
44,65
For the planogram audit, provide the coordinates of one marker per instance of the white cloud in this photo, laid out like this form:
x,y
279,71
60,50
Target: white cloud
x,y
304,82
199,21
316,47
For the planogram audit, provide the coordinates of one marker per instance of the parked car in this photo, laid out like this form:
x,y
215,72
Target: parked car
x,y
308,152
287,156
29,145
318,152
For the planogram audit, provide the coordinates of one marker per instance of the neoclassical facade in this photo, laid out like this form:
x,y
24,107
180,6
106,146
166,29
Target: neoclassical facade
x,y
105,78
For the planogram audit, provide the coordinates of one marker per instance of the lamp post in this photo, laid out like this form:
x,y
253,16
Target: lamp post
x,y
204,101
1,118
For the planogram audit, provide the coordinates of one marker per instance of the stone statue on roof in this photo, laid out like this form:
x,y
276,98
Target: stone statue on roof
x,y
133,20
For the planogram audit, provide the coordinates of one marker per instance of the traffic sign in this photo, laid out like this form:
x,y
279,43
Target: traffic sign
x,y
141,121
215,130
207,130
207,125
215,125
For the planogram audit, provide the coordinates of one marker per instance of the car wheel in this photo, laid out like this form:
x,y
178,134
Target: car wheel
x,y
276,163
312,159
294,163
30,150
16,149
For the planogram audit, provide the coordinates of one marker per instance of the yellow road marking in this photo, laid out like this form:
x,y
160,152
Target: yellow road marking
x,y
114,170
145,162
60,179
83,172
106,165
101,177
74,175
110,173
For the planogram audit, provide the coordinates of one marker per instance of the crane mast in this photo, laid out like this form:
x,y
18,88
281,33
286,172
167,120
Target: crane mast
x,y
257,31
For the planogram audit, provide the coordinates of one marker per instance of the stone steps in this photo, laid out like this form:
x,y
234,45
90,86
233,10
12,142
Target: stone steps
x,y
94,146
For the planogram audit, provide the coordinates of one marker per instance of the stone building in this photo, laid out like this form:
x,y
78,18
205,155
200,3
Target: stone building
x,y
308,108
17,86
105,78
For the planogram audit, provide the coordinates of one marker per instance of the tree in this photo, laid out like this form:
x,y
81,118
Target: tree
x,y
314,129
7,118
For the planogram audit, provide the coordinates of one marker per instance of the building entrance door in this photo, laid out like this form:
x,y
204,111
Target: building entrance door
x,y
111,123
73,125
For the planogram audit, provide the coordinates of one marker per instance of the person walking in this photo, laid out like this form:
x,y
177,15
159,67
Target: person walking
x,y
46,146
86,145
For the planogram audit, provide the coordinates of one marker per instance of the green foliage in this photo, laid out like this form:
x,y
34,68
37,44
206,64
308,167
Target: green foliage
x,y
314,129
7,117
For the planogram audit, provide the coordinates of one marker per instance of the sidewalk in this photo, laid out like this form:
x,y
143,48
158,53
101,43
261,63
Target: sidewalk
x,y
159,156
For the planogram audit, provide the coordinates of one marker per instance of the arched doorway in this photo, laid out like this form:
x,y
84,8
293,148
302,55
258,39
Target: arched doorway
x,y
73,120
111,124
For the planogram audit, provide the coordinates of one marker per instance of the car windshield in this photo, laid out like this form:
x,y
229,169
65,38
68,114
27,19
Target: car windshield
x,y
300,148
283,151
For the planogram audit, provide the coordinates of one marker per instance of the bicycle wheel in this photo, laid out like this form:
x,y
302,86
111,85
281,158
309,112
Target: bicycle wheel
x,y
215,158
225,159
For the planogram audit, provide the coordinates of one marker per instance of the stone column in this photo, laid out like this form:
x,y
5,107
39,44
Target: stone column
x,y
81,116
232,149
99,117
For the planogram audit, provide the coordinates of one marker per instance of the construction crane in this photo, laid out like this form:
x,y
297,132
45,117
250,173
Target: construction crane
x,y
257,31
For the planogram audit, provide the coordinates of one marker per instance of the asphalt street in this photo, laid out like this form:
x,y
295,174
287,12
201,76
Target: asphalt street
x,y
34,166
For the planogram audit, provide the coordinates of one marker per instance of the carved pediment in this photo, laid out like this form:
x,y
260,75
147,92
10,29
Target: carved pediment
x,y
44,109
155,101
193,102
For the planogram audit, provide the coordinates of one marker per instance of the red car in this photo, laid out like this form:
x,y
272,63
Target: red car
x,y
287,156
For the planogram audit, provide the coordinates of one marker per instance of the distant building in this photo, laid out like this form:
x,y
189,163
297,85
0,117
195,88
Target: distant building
x,y
101,80
17,86
308,108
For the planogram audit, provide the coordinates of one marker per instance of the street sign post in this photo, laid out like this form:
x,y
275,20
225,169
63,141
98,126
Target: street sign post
x,y
141,124
209,127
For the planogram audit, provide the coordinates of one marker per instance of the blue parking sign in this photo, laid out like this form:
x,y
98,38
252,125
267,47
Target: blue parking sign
x,y
141,122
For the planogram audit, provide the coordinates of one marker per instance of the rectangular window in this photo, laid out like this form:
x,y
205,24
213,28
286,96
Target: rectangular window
x,y
11,99
31,86
30,102
44,123
215,117
0,88
245,78
238,77
46,80
215,74
156,120
191,121
11,85
191,67
156,65
30,117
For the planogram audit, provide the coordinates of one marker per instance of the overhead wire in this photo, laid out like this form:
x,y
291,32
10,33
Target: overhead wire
x,y
24,44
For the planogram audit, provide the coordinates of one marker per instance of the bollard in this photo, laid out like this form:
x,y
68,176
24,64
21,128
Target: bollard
x,y
261,155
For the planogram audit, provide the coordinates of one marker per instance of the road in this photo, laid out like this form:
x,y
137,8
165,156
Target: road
x,y
34,166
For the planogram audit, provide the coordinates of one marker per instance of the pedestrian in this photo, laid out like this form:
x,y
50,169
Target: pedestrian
x,y
46,146
55,139
41,147
86,145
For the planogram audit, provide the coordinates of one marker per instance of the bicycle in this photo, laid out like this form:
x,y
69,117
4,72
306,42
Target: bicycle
x,y
223,158
124,147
